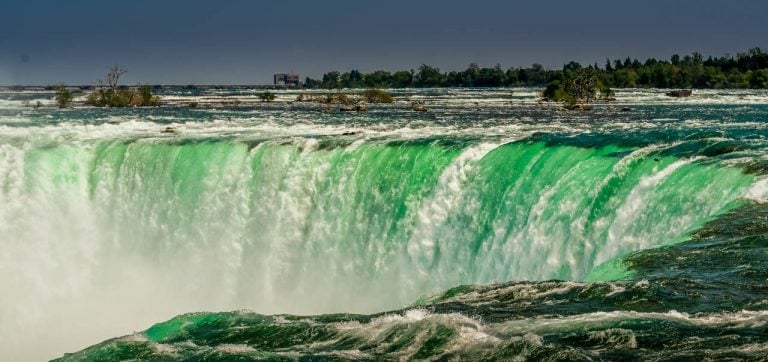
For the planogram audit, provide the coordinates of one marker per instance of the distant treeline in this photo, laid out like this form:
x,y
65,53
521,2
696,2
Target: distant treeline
x,y
745,70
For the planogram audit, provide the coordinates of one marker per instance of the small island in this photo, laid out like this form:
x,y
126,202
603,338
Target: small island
x,y
108,93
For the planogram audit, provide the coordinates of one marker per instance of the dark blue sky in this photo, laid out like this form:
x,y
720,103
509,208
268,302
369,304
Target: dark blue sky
x,y
244,42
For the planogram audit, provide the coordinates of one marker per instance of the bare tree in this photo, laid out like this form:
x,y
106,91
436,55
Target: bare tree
x,y
112,78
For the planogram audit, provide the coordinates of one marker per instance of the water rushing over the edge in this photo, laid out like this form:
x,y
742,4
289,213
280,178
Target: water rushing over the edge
x,y
108,225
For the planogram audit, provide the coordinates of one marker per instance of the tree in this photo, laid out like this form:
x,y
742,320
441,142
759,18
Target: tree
x,y
535,75
512,76
109,93
428,77
402,79
312,83
378,79
354,80
572,66
489,77
331,80
582,85
742,71
112,78
63,96
577,88
759,79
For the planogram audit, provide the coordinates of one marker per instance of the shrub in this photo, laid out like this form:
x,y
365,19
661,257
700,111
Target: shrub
x,y
123,98
377,96
147,97
577,88
63,96
341,98
267,97
555,92
109,94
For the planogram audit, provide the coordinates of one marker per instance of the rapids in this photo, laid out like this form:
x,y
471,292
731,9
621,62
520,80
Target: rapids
x,y
108,225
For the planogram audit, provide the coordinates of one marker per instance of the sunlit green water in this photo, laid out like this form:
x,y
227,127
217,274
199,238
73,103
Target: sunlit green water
x,y
110,224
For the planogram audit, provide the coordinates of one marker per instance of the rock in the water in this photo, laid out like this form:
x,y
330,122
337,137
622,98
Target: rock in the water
x,y
680,93
171,130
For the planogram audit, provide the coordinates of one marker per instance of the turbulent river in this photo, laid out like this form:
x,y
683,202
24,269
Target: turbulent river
x,y
489,227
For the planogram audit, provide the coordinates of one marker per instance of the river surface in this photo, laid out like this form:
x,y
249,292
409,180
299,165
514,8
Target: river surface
x,y
491,226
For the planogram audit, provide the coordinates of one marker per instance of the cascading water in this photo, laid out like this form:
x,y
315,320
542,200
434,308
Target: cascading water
x,y
108,232
301,228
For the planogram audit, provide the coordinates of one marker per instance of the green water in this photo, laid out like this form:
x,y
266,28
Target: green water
x,y
488,234
298,224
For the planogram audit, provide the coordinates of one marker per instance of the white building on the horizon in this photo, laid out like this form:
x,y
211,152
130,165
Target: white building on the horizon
x,y
287,79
